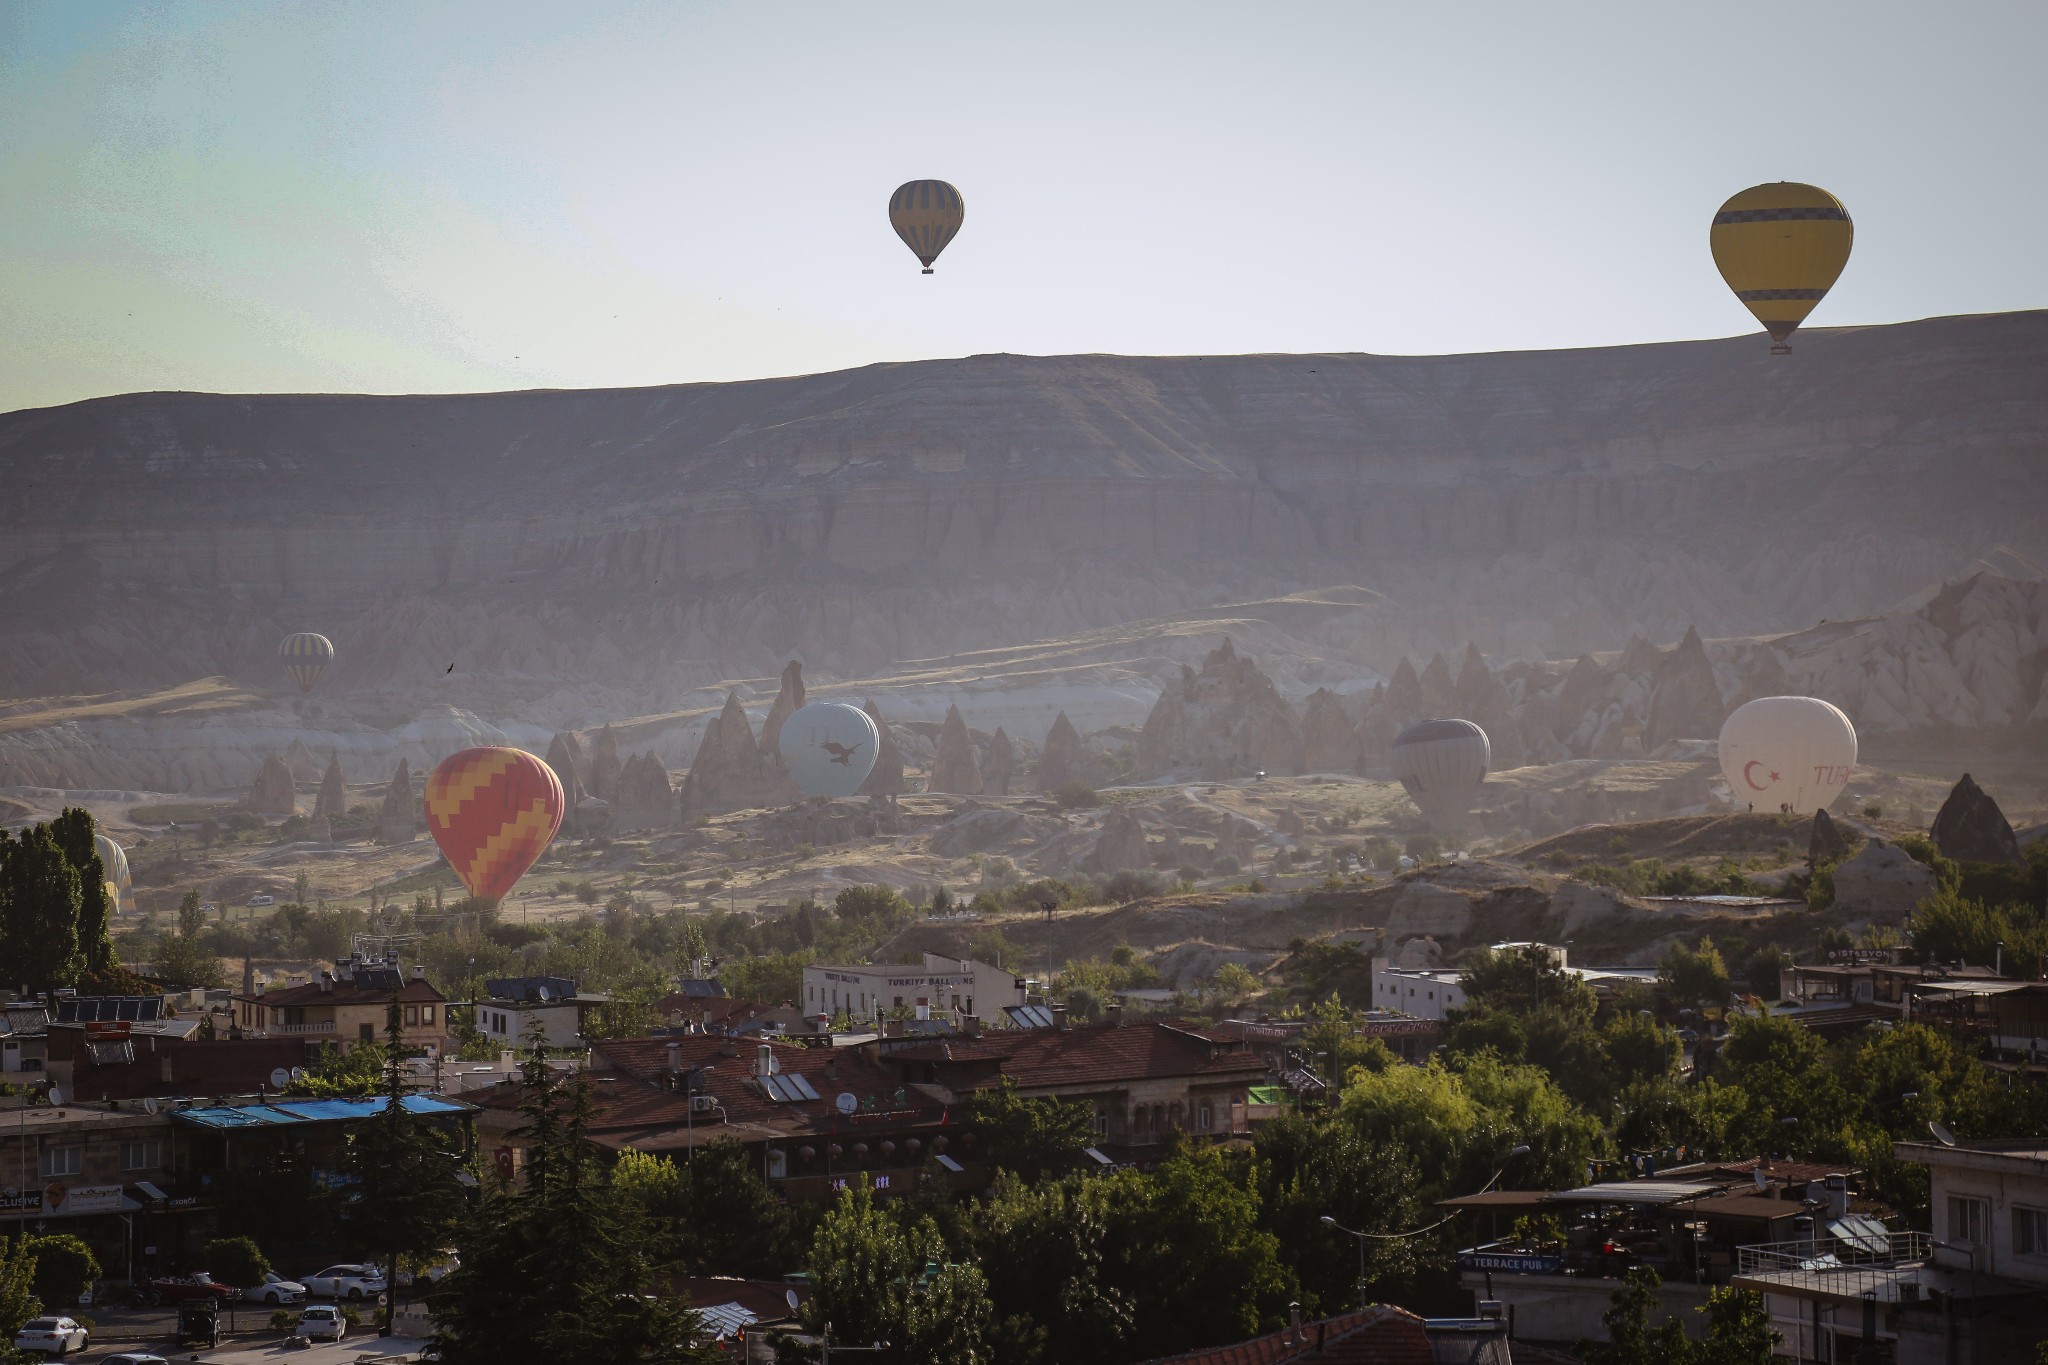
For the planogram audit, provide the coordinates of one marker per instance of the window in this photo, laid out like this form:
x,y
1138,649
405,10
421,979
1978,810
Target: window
x,y
1967,1219
366,1033
1101,1123
1205,1117
426,1014
899,1002
63,1161
2030,1231
1138,1119
412,1015
141,1156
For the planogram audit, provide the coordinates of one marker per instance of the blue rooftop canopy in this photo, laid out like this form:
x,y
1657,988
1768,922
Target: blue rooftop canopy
x,y
286,1112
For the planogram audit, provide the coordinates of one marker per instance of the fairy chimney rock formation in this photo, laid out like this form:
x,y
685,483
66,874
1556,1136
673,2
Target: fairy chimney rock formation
x,y
299,759
1685,700
1225,721
332,802
730,771
956,768
1439,689
787,699
1121,846
399,821
1970,827
1826,844
1064,758
604,765
1483,699
272,793
1002,762
1329,738
642,797
887,777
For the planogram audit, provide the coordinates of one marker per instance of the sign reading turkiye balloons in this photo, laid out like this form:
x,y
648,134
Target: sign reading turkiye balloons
x,y
1792,754
493,811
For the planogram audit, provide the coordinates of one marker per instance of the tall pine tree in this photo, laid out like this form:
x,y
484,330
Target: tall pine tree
x,y
555,1270
74,830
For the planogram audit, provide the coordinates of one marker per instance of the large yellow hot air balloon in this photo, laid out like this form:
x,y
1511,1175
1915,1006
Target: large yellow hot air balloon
x,y
1781,247
305,656
926,215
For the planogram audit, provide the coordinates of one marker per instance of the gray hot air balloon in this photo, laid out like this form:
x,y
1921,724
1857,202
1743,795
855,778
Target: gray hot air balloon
x,y
829,747
1442,763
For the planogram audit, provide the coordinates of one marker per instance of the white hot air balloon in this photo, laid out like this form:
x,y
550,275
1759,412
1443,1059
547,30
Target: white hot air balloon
x,y
829,747
1787,754
120,884
1443,764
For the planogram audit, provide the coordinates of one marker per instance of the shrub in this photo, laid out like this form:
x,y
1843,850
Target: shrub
x,y
284,1321
237,1261
65,1265
586,891
1226,866
1076,796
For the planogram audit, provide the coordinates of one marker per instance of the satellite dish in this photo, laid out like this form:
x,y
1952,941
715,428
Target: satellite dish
x,y
1758,1176
148,1105
544,995
789,1297
846,1103
280,1078
1940,1131
57,1097
298,1073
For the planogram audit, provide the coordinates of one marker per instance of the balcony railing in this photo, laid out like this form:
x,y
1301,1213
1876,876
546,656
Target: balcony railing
x,y
288,1030
1900,1248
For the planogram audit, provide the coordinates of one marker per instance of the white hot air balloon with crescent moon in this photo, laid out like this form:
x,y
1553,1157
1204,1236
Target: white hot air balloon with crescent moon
x,y
1787,754
829,747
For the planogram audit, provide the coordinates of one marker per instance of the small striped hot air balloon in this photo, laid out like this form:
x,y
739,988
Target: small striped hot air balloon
x,y
1443,764
926,215
1781,247
305,656
493,811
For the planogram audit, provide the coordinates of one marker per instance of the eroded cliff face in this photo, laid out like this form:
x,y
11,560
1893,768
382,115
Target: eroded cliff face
x,y
628,545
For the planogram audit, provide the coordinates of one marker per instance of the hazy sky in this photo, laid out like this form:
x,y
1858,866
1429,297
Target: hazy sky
x,y
417,196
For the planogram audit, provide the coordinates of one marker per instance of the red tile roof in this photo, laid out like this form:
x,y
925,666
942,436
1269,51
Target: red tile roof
x,y
1380,1335
229,1066
1093,1054
347,993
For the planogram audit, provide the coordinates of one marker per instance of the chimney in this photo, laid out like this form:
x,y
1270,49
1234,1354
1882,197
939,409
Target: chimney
x,y
970,1026
259,988
327,981
1294,1336
1059,1017
1115,1014
165,1068
419,971
675,1058
764,1060
508,1060
1837,1187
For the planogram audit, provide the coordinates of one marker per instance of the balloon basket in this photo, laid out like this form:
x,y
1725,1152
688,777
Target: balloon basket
x,y
1780,348
927,270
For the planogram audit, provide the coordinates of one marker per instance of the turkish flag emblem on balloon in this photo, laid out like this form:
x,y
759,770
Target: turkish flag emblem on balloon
x,y
493,811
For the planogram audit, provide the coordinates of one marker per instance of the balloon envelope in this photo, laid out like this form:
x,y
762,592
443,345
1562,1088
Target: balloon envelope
x,y
926,215
1787,753
493,811
829,747
120,883
1442,763
305,656
1780,248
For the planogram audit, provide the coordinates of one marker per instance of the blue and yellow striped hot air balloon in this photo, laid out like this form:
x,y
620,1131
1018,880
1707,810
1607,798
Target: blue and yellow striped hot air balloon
x,y
926,215
305,656
1781,247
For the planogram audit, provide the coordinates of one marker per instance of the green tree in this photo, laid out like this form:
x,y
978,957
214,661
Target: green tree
x,y
1521,979
873,1280
1041,1250
1794,1097
1032,1137
1312,1168
39,906
1233,984
1185,1247
336,1073
557,1270
1630,1338
405,1197
1695,976
237,1261
18,1301
1739,1330
65,1267
1458,1121
717,1214
74,831
1950,927
1641,1049
183,958
1760,971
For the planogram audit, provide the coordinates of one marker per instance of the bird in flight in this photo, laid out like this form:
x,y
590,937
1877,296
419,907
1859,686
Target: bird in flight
x,y
841,753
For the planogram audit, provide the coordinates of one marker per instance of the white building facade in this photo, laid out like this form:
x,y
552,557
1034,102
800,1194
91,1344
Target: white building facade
x,y
941,988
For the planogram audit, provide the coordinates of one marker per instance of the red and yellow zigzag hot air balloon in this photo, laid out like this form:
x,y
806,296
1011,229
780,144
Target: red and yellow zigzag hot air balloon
x,y
493,811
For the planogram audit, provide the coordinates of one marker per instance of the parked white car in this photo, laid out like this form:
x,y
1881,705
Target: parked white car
x,y
52,1336
322,1323
275,1289
133,1358
346,1282
263,900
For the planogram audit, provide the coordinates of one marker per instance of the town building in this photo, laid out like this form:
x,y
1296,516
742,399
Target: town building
x,y
1379,1335
518,1008
24,1040
89,1170
871,992
348,1006
1433,992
